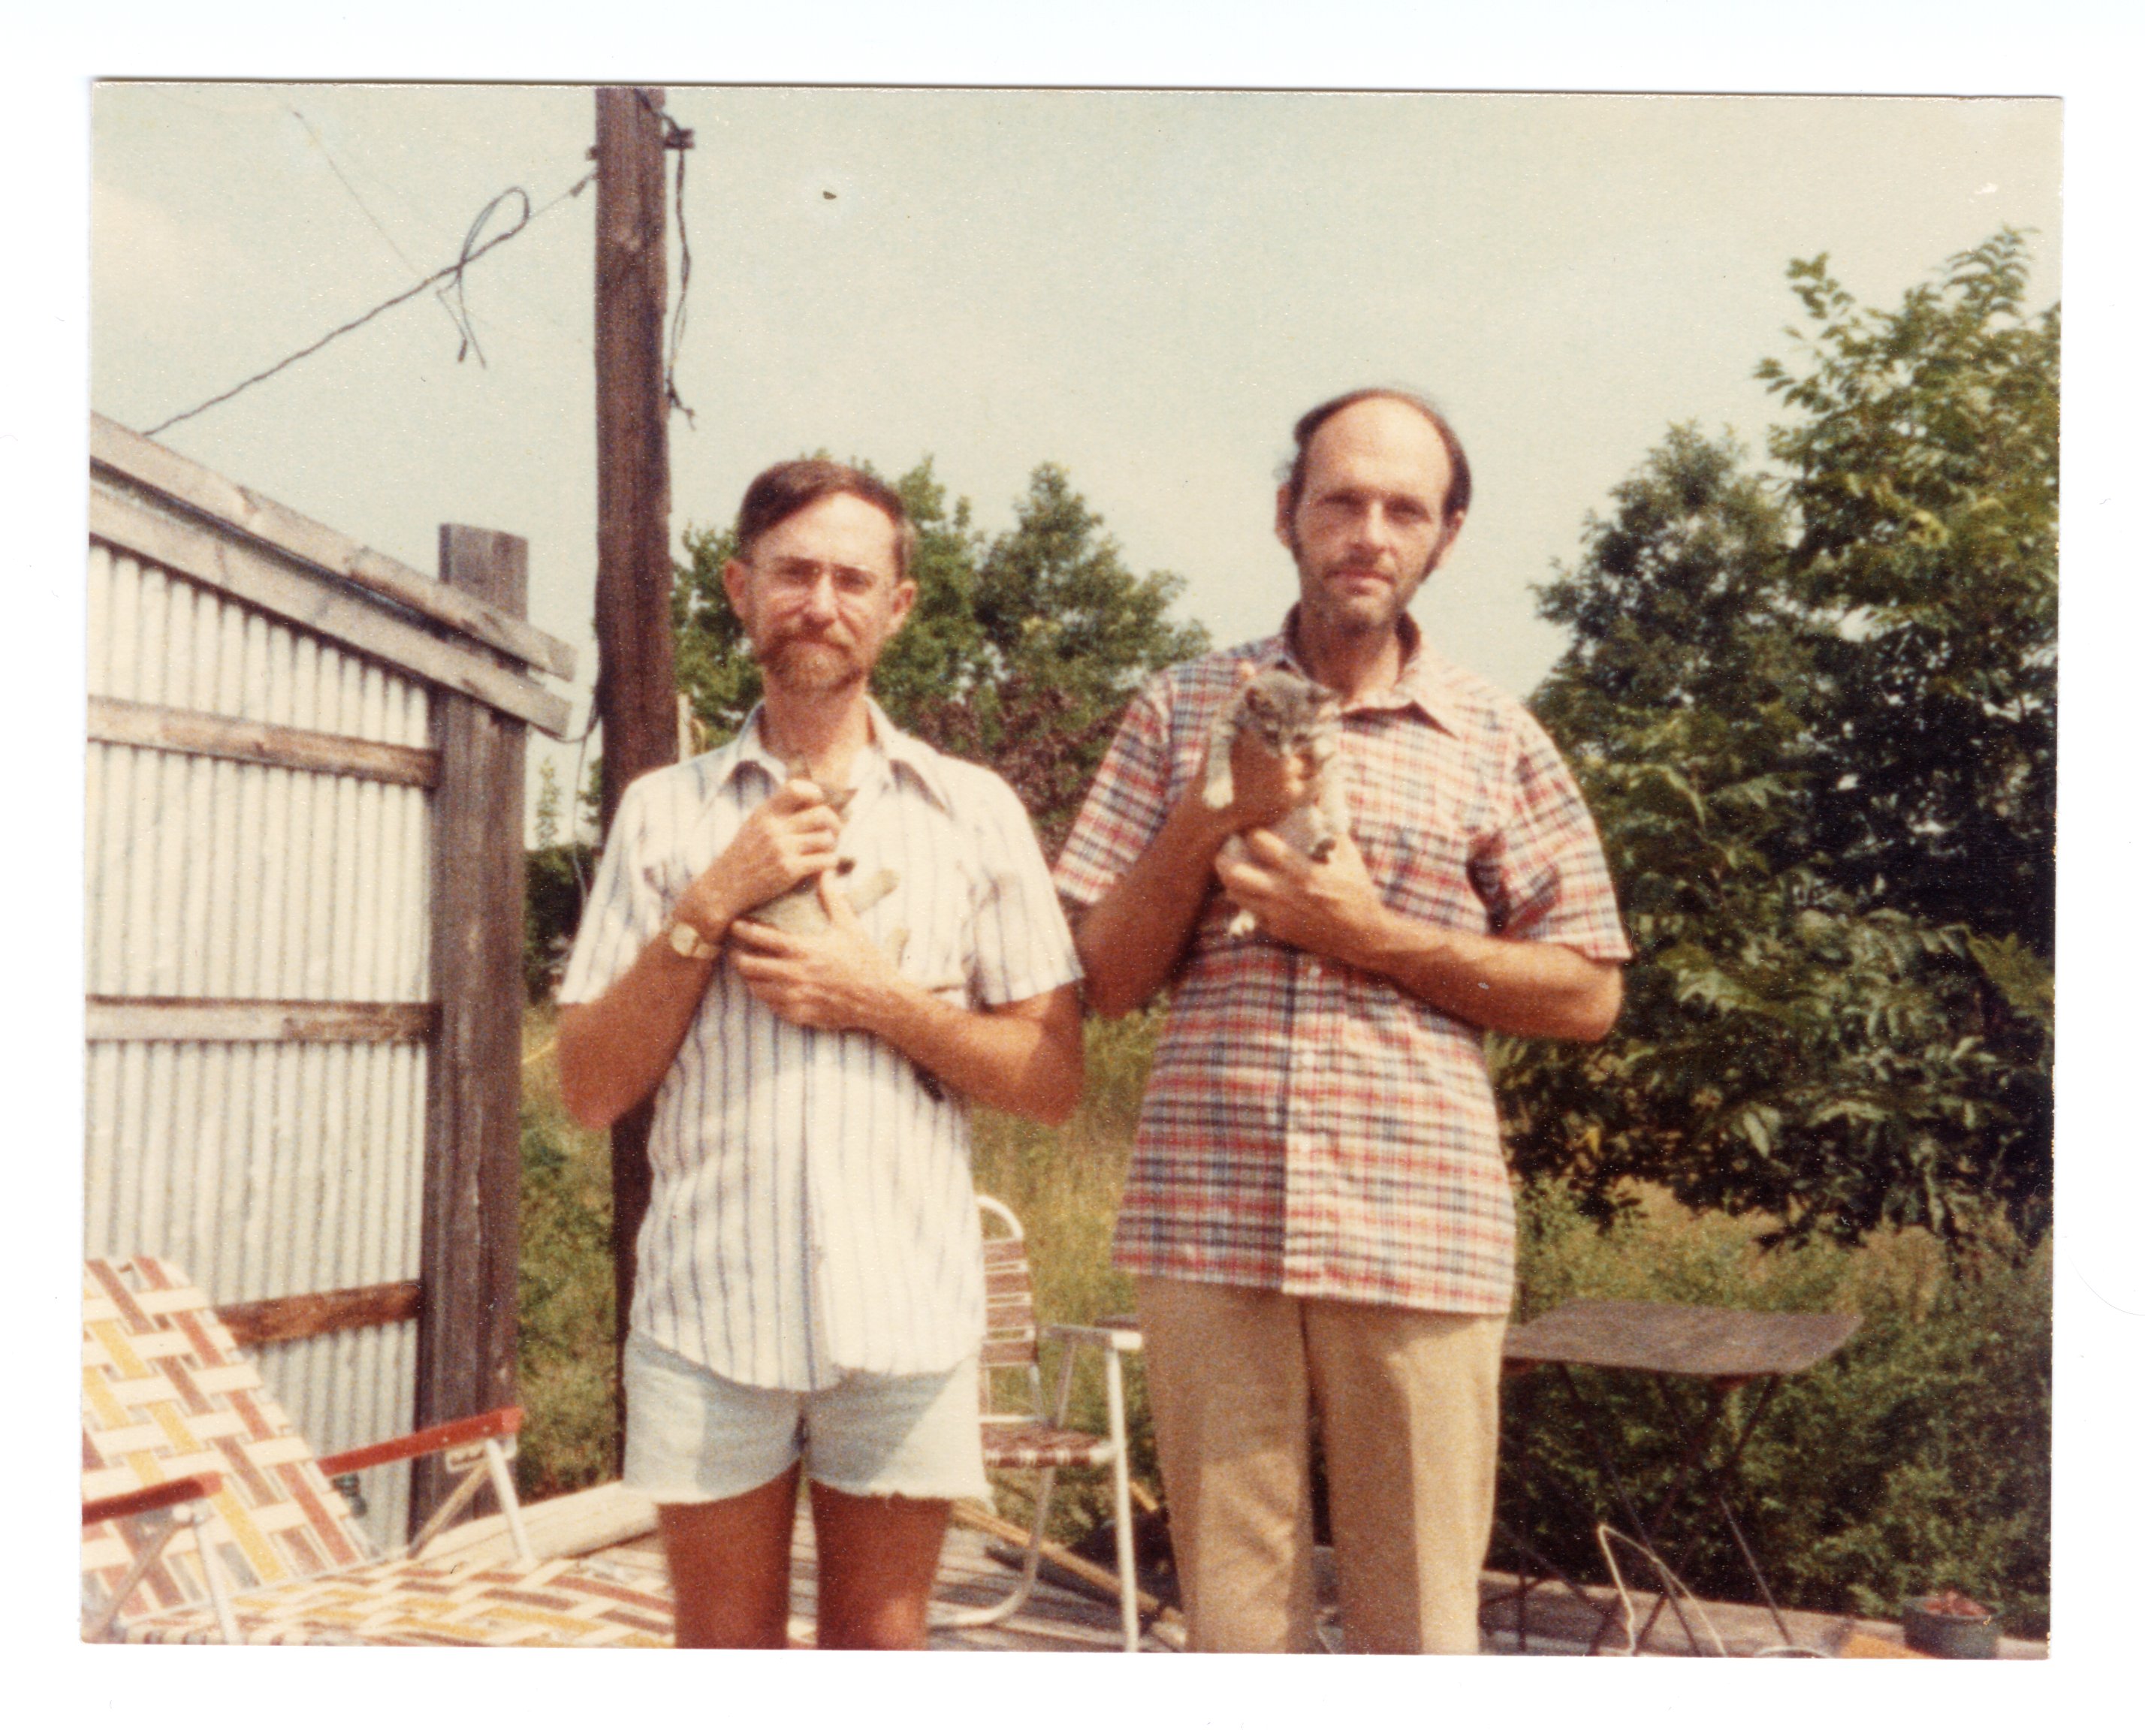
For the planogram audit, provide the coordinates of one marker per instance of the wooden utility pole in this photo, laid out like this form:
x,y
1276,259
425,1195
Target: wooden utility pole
x,y
636,679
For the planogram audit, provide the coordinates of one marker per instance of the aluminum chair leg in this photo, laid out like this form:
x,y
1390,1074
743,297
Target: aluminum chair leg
x,y
1031,1568
1121,1477
509,1503
219,1590
158,1530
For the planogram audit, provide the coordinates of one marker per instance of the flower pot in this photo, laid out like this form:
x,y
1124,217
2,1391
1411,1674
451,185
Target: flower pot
x,y
1943,1635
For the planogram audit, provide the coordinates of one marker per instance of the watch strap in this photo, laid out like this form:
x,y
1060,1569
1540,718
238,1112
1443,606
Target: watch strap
x,y
687,942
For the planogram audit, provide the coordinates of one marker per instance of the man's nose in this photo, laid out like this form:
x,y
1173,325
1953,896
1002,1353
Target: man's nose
x,y
819,601
1374,527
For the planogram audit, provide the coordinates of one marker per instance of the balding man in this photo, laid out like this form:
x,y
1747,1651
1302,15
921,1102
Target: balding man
x,y
1318,1214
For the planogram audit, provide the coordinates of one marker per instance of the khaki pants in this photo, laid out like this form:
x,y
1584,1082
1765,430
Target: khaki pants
x,y
1407,1408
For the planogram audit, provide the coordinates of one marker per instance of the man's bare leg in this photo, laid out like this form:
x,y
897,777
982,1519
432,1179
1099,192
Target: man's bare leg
x,y
729,1566
879,1557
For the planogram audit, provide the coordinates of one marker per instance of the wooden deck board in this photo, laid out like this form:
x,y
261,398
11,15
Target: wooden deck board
x,y
608,1522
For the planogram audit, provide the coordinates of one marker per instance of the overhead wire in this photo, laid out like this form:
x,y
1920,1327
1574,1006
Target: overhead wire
x,y
462,329
469,255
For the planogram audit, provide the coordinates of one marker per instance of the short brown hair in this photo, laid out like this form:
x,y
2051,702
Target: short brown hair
x,y
783,491
1458,492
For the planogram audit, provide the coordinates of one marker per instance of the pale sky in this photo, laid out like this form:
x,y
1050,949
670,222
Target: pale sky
x,y
1146,290
1145,287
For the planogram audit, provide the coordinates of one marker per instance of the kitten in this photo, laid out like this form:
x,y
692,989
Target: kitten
x,y
1292,716
799,911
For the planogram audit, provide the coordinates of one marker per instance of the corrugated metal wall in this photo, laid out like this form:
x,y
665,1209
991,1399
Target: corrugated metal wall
x,y
264,1169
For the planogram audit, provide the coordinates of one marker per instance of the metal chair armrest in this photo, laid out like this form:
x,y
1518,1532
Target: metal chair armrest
x,y
1123,1339
156,1505
152,1499
490,1426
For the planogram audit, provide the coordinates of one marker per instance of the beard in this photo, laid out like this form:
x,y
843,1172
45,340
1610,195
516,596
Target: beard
x,y
807,665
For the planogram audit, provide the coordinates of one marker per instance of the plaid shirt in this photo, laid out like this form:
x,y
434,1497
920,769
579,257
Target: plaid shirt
x,y
1308,1127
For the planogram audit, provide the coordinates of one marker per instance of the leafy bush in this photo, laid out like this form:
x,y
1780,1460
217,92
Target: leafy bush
x,y
1916,1458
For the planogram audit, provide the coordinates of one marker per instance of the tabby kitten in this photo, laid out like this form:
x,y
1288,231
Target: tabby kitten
x,y
799,911
1292,716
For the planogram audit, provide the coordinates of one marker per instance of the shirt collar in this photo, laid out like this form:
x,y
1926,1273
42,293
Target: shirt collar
x,y
902,752
1423,683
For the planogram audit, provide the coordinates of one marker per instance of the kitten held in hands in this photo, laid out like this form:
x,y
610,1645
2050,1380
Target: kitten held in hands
x,y
799,911
1290,716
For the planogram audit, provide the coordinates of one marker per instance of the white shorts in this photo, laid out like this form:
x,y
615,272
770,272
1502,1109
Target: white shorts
x,y
692,1436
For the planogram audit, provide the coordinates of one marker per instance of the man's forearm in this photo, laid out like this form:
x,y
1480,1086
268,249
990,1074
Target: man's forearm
x,y
613,1051
1522,987
1025,1058
1131,938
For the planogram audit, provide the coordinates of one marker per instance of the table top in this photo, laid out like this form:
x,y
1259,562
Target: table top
x,y
1673,1338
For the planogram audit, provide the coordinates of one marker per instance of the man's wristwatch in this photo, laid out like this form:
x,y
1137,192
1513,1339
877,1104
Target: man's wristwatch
x,y
687,942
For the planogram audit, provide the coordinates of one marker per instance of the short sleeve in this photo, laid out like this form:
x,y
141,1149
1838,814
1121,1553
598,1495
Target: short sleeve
x,y
1551,881
624,909
1024,947
1126,805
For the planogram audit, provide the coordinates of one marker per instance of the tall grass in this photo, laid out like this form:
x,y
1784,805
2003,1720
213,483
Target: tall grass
x,y
1916,1459
566,1364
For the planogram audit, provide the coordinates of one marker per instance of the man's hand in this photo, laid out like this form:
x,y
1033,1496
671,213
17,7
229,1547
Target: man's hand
x,y
1329,908
836,980
790,835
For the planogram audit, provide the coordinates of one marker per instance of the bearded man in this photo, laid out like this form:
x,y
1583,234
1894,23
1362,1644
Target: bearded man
x,y
810,1297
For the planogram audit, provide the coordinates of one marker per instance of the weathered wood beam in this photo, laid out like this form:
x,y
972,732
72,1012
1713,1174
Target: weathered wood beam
x,y
469,1260
128,724
167,1019
126,453
282,1319
276,584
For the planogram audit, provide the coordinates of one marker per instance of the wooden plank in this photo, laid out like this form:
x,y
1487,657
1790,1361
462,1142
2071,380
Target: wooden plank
x,y
471,1213
160,1018
141,461
282,1319
128,724
272,583
579,1524
975,1518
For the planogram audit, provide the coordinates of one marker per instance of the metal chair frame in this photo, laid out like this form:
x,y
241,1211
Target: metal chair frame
x,y
166,1390
1012,1348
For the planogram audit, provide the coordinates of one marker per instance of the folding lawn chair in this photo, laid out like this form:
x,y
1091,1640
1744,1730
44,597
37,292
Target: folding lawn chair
x,y
175,1420
1027,1437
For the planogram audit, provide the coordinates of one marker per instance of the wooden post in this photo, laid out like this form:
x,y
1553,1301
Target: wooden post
x,y
636,679
473,1083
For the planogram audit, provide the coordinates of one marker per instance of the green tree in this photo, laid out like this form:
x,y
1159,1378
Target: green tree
x,y
1924,477
1841,1008
1021,652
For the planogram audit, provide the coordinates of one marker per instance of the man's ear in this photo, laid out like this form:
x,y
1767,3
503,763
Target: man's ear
x,y
904,599
734,577
1448,534
1281,526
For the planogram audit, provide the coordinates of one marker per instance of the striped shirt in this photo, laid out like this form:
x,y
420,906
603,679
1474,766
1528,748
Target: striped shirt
x,y
1308,1127
811,1211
